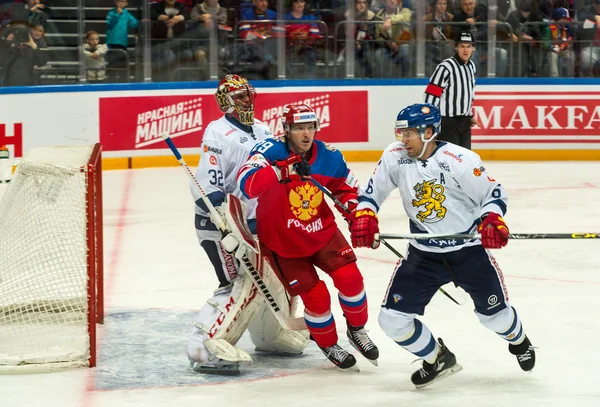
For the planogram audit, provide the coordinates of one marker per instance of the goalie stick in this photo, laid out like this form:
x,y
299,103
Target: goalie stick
x,y
381,237
295,324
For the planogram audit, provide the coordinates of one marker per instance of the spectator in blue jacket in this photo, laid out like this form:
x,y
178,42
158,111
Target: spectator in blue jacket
x,y
118,23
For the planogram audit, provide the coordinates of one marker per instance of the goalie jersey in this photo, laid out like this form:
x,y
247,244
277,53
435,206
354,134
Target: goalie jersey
x,y
449,193
225,147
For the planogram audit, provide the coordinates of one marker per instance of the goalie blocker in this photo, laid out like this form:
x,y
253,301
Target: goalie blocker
x,y
254,300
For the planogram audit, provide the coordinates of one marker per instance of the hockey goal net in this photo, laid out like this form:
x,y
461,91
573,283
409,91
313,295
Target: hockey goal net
x,y
51,260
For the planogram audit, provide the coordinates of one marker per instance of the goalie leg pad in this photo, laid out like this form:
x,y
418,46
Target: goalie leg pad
x,y
318,317
268,335
223,320
225,264
353,299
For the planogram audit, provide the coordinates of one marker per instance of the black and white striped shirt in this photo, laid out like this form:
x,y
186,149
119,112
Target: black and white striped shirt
x,y
452,87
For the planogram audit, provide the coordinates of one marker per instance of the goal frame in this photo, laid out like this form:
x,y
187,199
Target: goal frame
x,y
94,270
95,256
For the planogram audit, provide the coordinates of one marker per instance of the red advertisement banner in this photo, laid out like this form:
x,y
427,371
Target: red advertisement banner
x,y
537,117
344,115
138,122
12,136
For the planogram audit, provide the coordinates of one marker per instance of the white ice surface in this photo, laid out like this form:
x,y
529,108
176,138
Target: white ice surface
x,y
157,276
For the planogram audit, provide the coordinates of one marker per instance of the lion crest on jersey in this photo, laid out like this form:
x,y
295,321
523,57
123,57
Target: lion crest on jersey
x,y
304,201
431,196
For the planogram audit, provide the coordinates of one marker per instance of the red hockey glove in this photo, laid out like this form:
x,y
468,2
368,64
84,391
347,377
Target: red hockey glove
x,y
494,232
364,229
283,168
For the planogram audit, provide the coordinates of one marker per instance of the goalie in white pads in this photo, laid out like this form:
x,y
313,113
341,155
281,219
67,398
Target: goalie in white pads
x,y
445,190
235,305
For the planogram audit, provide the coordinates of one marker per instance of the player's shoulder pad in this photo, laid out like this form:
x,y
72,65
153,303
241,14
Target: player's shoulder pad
x,y
455,158
396,148
326,148
395,152
262,130
272,149
330,161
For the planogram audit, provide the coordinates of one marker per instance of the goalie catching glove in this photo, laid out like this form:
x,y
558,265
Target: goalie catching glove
x,y
494,232
364,228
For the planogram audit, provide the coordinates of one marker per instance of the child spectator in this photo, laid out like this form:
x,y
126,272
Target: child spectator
x,y
94,57
118,23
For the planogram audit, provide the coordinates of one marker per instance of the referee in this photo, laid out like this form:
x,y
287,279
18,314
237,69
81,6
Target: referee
x,y
452,89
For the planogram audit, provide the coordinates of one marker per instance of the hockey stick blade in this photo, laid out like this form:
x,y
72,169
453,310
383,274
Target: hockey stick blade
x,y
523,236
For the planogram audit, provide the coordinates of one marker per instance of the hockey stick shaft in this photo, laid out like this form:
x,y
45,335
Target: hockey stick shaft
x,y
426,236
293,324
386,244
211,208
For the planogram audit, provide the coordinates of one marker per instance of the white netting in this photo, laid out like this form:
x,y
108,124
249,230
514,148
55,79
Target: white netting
x,y
43,260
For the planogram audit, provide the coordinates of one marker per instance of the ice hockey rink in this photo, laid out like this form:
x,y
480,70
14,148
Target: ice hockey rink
x,y
157,277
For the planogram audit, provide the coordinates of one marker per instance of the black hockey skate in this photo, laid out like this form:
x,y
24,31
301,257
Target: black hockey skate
x,y
339,356
525,354
445,366
361,342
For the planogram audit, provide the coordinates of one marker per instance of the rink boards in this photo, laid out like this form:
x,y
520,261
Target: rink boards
x,y
520,120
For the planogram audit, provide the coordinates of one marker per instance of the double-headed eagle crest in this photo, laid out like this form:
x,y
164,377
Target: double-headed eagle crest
x,y
304,201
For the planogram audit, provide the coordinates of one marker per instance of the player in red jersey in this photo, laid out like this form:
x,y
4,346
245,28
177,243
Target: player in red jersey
x,y
297,229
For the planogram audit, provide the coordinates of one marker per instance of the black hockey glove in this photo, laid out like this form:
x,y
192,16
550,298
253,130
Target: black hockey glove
x,y
303,168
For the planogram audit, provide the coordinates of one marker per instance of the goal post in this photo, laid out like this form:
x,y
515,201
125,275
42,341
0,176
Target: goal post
x,y
51,260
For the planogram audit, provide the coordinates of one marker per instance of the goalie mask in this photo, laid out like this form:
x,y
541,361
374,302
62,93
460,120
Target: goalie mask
x,y
236,97
299,114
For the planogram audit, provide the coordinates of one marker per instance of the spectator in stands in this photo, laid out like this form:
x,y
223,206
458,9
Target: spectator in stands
x,y
118,23
208,15
301,36
438,35
561,57
20,55
473,15
168,17
590,35
394,37
34,12
94,53
525,23
168,24
546,9
260,48
364,38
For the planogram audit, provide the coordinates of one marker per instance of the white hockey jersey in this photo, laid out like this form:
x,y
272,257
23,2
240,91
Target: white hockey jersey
x,y
225,148
447,193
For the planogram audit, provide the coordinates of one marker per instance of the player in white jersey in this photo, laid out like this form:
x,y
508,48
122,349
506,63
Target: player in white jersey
x,y
226,145
445,190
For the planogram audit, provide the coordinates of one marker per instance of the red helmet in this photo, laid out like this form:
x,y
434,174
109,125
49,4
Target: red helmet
x,y
236,96
299,114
